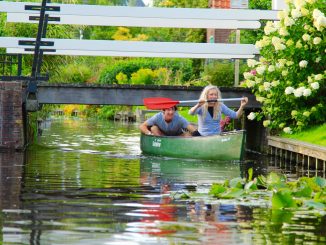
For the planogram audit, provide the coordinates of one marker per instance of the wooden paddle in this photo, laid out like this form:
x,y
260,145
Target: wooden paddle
x,y
159,103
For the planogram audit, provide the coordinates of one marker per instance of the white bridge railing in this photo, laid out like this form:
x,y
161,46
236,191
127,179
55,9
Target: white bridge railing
x,y
134,16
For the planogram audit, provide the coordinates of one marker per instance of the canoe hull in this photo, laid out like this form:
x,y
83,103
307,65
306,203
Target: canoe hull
x,y
229,146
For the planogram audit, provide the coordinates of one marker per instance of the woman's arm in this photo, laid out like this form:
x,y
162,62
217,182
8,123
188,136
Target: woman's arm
x,y
193,109
244,101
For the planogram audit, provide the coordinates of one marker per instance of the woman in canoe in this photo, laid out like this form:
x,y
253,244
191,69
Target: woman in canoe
x,y
167,122
210,113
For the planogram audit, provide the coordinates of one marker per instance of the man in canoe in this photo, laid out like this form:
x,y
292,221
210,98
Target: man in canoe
x,y
209,113
167,122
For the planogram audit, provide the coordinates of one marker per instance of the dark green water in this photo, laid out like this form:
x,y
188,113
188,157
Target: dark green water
x,y
87,183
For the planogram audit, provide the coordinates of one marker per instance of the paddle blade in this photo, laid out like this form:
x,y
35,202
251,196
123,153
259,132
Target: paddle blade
x,y
159,103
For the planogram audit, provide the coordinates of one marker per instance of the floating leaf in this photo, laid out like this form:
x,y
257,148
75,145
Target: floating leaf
x,y
320,181
283,199
251,186
261,181
233,193
237,183
313,204
304,190
217,189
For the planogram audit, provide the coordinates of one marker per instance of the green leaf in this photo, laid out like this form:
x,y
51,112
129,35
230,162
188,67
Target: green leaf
x,y
250,173
237,183
233,193
313,204
304,190
217,189
251,186
320,181
283,199
261,181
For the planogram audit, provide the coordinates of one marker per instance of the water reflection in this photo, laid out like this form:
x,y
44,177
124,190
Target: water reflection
x,y
87,183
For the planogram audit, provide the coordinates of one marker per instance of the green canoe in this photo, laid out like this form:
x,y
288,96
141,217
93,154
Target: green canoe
x,y
227,146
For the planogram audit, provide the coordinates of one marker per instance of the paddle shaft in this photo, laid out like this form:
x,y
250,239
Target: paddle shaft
x,y
220,100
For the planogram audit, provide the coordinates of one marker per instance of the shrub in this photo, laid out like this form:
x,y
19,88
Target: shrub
x,y
129,66
143,76
220,74
289,78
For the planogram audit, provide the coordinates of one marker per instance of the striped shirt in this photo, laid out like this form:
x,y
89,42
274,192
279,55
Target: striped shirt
x,y
208,125
172,128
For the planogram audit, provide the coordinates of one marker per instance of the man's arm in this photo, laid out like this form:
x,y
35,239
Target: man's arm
x,y
144,128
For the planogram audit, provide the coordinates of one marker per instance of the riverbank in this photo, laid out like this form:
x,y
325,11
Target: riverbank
x,y
315,135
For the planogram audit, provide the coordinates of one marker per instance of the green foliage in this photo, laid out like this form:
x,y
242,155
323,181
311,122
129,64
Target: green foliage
x,y
73,73
283,199
130,66
306,192
143,76
220,73
107,112
251,36
289,78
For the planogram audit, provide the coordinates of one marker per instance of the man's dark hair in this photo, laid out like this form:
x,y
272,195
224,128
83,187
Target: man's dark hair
x,y
174,107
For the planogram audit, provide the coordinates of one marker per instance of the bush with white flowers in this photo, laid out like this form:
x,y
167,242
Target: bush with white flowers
x,y
289,78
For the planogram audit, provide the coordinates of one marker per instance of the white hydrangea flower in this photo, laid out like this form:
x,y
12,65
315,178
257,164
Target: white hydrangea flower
x,y
266,123
275,83
260,99
287,130
317,40
251,62
288,21
267,86
306,92
247,75
303,63
316,13
289,90
298,92
283,32
271,68
306,113
318,59
261,69
315,85
250,83
304,11
269,28
310,79
251,116
306,37
285,73
299,3
296,13
318,77
281,14
294,113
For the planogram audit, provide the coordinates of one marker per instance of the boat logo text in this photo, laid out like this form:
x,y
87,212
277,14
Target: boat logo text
x,y
156,143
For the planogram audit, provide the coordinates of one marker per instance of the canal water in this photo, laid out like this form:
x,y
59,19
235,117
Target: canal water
x,y
86,182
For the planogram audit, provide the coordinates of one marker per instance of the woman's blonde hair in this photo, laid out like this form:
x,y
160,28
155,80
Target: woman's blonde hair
x,y
217,106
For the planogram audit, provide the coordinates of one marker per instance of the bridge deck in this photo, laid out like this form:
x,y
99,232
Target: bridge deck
x,y
95,94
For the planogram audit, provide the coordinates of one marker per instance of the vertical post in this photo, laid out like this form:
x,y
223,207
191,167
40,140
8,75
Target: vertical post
x,y
237,61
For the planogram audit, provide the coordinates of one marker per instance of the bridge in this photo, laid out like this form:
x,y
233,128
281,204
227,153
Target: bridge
x,y
17,100
96,94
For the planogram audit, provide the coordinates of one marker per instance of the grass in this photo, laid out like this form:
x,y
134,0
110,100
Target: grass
x,y
314,135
